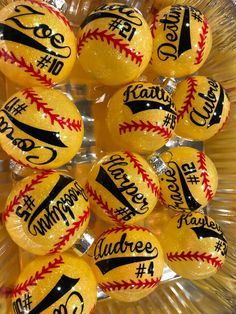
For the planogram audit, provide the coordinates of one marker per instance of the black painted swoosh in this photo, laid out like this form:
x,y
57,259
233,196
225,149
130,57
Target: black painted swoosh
x,y
104,179
108,264
49,137
11,34
202,232
190,200
63,285
141,105
185,38
218,110
62,182
99,15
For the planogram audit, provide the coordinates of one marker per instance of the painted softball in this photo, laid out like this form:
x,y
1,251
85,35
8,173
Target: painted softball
x,y
55,284
128,262
40,128
190,181
202,108
194,245
122,188
37,44
141,117
46,212
114,44
182,41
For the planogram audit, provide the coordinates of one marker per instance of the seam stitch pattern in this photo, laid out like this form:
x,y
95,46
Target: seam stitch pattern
x,y
110,286
204,175
9,56
5,292
124,228
144,126
161,198
32,281
145,176
184,256
202,42
192,84
28,188
93,309
153,25
70,232
52,10
110,39
34,98
25,164
104,205
226,121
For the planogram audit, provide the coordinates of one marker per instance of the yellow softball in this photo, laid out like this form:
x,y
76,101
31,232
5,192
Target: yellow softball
x,y
182,41
37,44
194,245
122,188
190,181
55,284
46,212
128,262
40,128
202,108
141,117
114,44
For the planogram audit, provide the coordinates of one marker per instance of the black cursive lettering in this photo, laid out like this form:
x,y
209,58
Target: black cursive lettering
x,y
115,11
52,210
39,31
211,111
115,166
188,219
140,91
179,197
122,246
28,145
171,24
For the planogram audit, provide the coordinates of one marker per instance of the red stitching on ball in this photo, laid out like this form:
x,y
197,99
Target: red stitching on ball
x,y
34,98
145,176
104,205
144,126
124,228
93,309
154,20
25,164
32,281
204,175
215,261
70,232
161,199
110,286
28,188
192,84
110,38
5,292
202,42
225,122
9,56
52,10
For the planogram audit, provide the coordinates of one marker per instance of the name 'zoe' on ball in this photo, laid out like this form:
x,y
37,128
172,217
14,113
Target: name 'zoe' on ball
x,y
37,44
